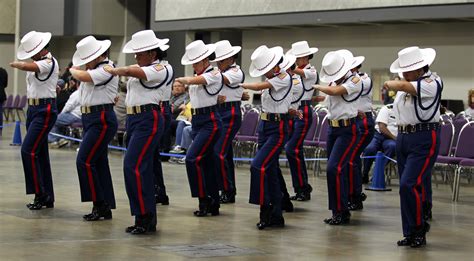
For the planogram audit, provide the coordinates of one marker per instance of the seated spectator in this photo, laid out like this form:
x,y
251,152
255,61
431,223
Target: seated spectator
x,y
70,114
469,112
384,139
120,108
186,141
179,98
183,120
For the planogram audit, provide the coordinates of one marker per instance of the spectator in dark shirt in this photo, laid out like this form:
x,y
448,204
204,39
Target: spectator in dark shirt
x,y
179,98
3,96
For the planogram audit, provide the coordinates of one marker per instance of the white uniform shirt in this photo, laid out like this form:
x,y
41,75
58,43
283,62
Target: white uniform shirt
x,y
365,100
340,109
404,104
296,92
149,91
169,83
232,91
310,78
386,115
38,84
278,98
73,104
95,92
206,95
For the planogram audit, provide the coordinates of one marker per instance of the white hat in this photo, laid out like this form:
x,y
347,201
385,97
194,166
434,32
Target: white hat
x,y
143,41
412,58
302,49
264,59
336,64
288,61
225,50
164,47
196,52
88,49
358,60
32,43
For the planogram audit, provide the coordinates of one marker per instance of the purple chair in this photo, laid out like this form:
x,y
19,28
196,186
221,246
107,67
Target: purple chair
x,y
322,142
7,106
458,123
464,153
247,134
21,106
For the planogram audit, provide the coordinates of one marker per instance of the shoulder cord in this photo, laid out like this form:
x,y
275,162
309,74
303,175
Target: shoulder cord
x,y
436,102
158,85
286,94
358,95
50,72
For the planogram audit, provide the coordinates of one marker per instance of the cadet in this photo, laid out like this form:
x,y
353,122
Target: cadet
x,y
206,125
98,89
416,107
41,78
144,125
230,115
272,133
343,91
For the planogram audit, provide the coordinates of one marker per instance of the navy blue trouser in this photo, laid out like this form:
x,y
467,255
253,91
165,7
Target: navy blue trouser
x,y
200,157
294,148
34,149
93,161
265,184
160,187
416,155
380,142
340,145
366,133
231,120
143,132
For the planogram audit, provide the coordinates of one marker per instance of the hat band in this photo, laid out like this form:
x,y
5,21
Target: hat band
x,y
137,49
89,56
406,66
261,69
199,56
224,54
29,51
336,72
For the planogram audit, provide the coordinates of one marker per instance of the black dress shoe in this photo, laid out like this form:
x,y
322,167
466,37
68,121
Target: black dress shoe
x,y
41,201
358,205
405,242
227,197
143,224
163,200
99,211
286,204
265,215
362,196
338,219
207,206
418,241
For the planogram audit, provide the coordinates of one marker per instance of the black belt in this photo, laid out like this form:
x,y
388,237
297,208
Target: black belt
x,y
229,105
274,116
203,110
96,108
418,127
142,108
341,123
305,102
165,103
41,101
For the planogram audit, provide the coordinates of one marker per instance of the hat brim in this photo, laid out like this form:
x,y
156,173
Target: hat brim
x,y
132,47
358,60
348,61
210,49
257,72
429,55
78,61
288,61
235,50
312,50
22,54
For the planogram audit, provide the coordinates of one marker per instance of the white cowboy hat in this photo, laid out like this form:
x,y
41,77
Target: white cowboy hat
x,y
288,61
412,58
336,64
164,47
196,52
264,59
32,43
225,50
358,60
302,49
143,41
88,49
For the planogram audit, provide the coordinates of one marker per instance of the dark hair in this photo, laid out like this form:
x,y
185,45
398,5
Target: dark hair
x,y
47,46
212,56
235,57
310,56
281,60
293,66
160,54
106,53
359,66
426,68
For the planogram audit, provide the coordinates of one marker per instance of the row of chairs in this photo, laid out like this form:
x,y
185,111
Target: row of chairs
x,y
14,106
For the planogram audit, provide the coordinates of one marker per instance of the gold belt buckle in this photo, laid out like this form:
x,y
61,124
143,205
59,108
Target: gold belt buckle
x,y
264,116
85,109
129,110
138,109
334,123
193,111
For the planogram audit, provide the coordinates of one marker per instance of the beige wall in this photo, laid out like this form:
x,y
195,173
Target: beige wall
x,y
454,43
7,16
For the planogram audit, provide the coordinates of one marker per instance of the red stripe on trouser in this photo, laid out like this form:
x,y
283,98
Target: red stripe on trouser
x,y
35,146
92,152
351,161
420,176
139,162
265,161
339,167
298,144
201,153
221,154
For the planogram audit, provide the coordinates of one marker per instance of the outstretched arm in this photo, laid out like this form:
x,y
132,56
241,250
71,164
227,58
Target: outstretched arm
x,y
25,66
